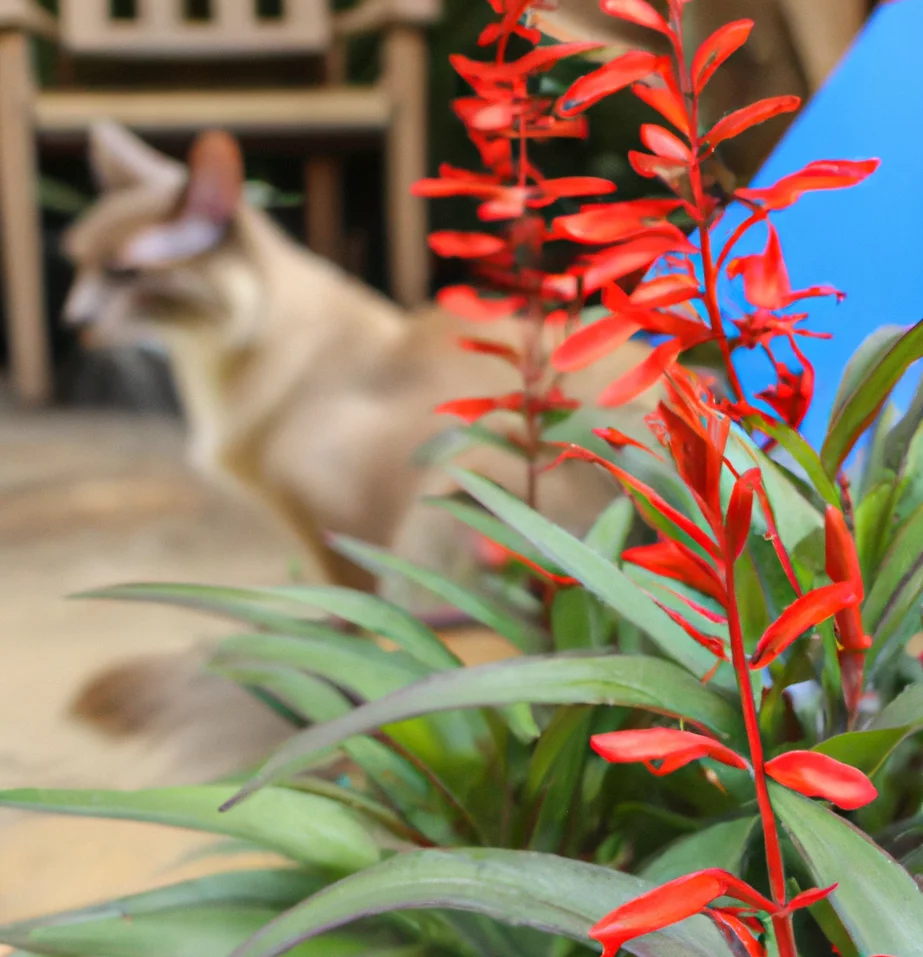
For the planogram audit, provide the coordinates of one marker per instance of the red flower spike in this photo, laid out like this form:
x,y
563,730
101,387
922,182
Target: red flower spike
x,y
675,561
818,775
819,175
487,348
791,395
665,144
740,513
449,243
742,120
716,49
592,342
464,302
803,614
616,75
637,11
666,102
673,747
643,377
670,903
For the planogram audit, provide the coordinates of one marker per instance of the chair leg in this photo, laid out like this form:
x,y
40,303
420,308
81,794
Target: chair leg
x,y
21,233
324,217
405,74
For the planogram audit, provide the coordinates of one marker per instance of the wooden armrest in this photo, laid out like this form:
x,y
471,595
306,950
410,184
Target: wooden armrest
x,y
368,16
27,16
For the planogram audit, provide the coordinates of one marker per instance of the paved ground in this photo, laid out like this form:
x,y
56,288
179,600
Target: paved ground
x,y
88,500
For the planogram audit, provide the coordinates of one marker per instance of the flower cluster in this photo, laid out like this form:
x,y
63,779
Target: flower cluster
x,y
683,306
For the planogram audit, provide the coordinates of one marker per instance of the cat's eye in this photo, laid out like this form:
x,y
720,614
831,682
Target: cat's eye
x,y
120,274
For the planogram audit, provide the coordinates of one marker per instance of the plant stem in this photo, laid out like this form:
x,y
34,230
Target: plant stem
x,y
785,936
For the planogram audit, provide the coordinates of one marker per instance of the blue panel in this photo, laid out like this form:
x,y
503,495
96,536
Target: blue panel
x,y
867,241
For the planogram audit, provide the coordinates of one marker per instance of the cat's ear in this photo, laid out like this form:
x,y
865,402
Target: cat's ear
x,y
120,160
213,192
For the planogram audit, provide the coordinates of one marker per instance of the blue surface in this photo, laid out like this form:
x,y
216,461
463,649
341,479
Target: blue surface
x,y
866,241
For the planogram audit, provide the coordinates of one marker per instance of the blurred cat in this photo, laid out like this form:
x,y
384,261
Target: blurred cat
x,y
301,386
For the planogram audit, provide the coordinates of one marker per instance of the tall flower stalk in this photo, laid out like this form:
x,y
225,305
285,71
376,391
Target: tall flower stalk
x,y
680,303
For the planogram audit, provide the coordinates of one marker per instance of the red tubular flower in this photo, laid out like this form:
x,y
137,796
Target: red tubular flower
x,y
671,903
766,281
791,396
803,614
818,775
673,748
819,175
843,566
736,932
675,561
740,513
710,642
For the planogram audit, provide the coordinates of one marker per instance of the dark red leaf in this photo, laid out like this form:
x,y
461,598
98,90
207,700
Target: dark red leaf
x,y
716,49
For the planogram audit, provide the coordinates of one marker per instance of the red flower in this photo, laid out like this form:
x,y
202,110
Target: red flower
x,y
791,395
673,748
821,174
683,898
803,614
818,775
676,561
766,282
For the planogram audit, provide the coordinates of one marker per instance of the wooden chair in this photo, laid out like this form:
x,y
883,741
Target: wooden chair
x,y
394,108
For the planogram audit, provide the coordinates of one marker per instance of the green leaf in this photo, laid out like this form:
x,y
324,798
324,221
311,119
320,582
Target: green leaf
x,y
870,377
547,893
600,576
578,621
524,635
900,436
640,682
611,530
897,583
877,900
721,845
798,448
303,827
873,525
377,616
256,606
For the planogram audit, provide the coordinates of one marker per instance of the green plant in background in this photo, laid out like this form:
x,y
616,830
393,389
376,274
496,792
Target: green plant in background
x,y
424,808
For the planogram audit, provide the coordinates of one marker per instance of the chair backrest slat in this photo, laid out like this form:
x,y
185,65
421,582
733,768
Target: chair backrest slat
x,y
179,28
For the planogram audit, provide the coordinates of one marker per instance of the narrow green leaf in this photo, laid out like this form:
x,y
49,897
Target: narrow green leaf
x,y
873,525
611,530
877,900
547,893
600,576
255,606
524,635
578,621
303,827
720,845
892,589
640,682
798,448
871,376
